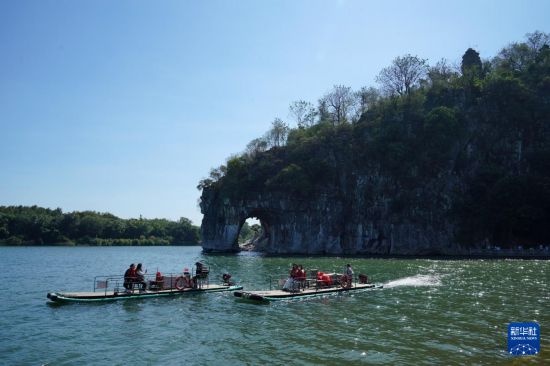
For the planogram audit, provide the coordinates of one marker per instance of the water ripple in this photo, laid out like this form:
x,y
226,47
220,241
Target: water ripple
x,y
429,312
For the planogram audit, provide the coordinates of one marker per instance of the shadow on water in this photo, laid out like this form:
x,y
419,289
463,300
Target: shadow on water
x,y
55,305
132,306
241,300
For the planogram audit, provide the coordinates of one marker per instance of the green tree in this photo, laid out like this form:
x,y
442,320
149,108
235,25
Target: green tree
x,y
404,74
303,113
366,99
278,133
341,103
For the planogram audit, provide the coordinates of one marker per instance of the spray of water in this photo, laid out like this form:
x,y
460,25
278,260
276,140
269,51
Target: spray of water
x,y
415,281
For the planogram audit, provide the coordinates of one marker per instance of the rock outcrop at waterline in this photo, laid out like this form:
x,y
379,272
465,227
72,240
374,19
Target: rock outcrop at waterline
x,y
331,224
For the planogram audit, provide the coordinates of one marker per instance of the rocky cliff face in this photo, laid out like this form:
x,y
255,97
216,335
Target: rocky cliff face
x,y
366,220
461,159
367,210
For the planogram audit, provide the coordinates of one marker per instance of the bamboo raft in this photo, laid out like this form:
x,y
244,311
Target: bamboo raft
x,y
274,295
307,289
136,294
109,288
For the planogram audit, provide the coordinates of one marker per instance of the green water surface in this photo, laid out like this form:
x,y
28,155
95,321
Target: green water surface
x,y
430,312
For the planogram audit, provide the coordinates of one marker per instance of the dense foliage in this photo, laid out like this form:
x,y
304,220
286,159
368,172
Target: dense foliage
x,y
249,233
484,126
34,225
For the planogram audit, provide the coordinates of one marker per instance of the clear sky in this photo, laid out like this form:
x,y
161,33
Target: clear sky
x,y
123,106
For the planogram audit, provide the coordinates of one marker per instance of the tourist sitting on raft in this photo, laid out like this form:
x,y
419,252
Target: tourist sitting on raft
x,y
291,280
158,283
129,277
140,277
296,279
301,277
324,279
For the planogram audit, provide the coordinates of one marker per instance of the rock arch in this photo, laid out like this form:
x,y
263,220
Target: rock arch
x,y
326,224
224,219
291,226
265,222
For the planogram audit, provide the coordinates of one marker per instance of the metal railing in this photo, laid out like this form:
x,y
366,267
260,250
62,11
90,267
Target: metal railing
x,y
278,281
116,283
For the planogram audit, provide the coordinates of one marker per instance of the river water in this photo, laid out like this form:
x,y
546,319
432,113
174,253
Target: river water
x,y
444,312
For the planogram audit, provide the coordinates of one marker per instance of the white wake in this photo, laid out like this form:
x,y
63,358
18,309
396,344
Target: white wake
x,y
415,281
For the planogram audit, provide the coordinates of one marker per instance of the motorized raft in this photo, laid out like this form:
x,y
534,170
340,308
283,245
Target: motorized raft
x,y
315,285
113,288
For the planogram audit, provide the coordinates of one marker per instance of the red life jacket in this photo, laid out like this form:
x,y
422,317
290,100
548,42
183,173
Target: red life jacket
x,y
130,274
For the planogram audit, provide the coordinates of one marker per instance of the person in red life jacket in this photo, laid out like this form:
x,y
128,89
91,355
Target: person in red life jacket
x,y
129,277
301,277
320,278
294,271
301,273
158,283
324,279
159,277
289,283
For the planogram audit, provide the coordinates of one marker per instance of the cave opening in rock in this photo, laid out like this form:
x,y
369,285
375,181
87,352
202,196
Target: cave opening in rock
x,y
253,232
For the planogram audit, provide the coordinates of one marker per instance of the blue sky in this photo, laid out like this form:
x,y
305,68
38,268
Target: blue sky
x,y
123,106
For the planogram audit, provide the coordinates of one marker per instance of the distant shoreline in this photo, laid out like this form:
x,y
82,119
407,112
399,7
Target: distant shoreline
x,y
70,245
545,255
33,225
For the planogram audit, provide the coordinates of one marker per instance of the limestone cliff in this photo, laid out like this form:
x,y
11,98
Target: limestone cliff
x,y
460,163
366,221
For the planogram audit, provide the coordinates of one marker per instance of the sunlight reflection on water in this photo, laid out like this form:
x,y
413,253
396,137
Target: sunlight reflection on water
x,y
430,312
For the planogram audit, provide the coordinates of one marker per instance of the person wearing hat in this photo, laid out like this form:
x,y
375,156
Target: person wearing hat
x,y
129,277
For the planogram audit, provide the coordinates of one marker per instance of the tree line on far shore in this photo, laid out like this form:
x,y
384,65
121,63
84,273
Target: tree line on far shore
x,y
23,225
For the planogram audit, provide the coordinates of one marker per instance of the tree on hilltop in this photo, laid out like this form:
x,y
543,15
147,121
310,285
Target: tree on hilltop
x,y
402,75
303,113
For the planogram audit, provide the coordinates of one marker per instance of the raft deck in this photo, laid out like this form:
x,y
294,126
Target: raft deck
x,y
274,295
111,295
